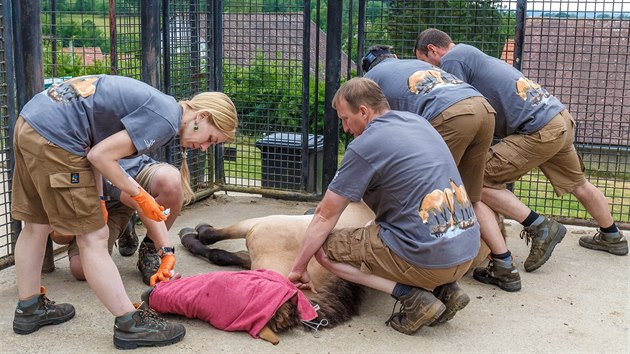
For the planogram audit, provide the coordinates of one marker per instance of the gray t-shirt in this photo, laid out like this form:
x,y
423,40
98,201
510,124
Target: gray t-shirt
x,y
522,106
403,170
83,111
419,87
132,167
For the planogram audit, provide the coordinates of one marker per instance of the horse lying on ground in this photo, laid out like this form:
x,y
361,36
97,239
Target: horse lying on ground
x,y
272,243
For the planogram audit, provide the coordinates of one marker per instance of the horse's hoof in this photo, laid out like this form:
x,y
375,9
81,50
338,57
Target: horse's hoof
x,y
203,228
187,232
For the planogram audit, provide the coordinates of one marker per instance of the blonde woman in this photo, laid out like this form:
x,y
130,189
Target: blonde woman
x,y
65,140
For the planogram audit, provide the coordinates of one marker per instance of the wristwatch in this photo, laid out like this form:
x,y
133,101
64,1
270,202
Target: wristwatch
x,y
164,250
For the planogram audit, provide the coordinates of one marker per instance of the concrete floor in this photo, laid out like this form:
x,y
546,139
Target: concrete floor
x,y
577,302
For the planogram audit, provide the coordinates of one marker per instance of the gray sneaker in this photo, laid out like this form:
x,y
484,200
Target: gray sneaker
x,y
453,297
144,327
544,238
419,308
507,279
29,317
617,246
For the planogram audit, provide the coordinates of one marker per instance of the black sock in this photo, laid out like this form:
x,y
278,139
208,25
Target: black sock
x,y
502,256
147,240
401,290
610,229
530,218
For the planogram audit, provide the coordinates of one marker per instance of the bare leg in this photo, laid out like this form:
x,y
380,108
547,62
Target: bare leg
x,y
76,268
101,272
355,275
595,203
490,230
29,257
505,202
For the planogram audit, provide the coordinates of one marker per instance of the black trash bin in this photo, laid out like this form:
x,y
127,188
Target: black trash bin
x,y
281,161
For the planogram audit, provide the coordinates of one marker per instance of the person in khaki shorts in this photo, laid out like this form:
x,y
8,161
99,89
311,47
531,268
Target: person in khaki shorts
x,y
533,129
423,239
162,181
461,115
67,139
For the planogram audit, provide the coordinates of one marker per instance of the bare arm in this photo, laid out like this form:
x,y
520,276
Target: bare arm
x,y
104,158
326,216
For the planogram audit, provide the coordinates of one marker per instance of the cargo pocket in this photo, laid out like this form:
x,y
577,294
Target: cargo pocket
x,y
499,161
75,193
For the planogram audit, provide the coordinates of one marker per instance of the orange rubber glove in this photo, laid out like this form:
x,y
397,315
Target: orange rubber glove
x,y
164,272
105,212
150,208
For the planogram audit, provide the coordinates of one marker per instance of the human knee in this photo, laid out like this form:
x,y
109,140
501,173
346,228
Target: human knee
x,y
166,186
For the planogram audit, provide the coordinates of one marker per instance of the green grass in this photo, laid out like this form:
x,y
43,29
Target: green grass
x,y
537,193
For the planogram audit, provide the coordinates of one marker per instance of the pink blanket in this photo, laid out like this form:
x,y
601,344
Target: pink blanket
x,y
232,301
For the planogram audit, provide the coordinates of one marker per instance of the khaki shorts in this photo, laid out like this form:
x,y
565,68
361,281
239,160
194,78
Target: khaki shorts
x,y
467,128
52,186
118,213
364,249
550,149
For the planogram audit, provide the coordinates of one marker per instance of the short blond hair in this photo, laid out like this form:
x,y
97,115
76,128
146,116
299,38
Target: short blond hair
x,y
361,91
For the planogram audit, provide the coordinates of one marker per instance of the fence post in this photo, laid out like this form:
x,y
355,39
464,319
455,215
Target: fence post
x,y
29,71
333,75
150,34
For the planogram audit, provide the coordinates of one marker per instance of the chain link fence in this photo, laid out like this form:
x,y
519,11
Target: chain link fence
x,y
270,58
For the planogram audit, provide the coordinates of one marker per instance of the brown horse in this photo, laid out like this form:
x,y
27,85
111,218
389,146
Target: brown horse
x,y
272,243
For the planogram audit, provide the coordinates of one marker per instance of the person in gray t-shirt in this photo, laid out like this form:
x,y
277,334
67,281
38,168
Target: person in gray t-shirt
x,y
534,130
425,234
66,139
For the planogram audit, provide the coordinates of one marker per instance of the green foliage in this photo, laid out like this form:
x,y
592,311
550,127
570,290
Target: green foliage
x,y
268,95
86,34
474,22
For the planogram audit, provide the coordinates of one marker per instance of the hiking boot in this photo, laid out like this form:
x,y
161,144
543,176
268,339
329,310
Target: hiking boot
x,y
128,240
38,311
544,238
617,246
507,279
417,309
148,261
453,297
144,327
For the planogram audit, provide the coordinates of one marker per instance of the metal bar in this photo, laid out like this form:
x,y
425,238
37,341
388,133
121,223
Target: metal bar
x,y
150,42
519,34
113,45
333,76
16,225
361,36
217,34
166,88
272,193
53,36
306,67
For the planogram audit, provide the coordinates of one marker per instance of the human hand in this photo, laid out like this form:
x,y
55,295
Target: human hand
x,y
302,280
165,272
149,207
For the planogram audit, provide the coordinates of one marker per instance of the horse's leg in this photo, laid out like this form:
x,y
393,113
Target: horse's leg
x,y
209,235
219,257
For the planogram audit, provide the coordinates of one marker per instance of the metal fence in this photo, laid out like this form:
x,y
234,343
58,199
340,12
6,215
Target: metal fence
x,y
578,50
280,64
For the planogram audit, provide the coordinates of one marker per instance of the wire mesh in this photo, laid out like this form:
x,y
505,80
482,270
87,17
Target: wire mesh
x,y
578,50
263,47
6,234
